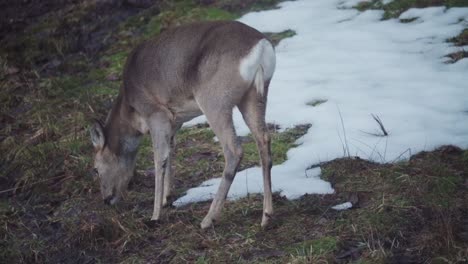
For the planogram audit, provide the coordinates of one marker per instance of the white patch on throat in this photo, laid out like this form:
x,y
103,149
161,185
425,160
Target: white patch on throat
x,y
261,55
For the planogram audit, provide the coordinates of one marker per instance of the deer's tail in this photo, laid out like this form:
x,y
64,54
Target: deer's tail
x,y
259,65
260,81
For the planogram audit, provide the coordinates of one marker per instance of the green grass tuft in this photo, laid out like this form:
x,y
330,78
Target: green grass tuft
x,y
313,247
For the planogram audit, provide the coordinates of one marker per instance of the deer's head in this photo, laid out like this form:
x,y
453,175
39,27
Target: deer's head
x,y
112,168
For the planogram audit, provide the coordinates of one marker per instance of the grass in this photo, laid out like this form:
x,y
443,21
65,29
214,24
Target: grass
x,y
53,211
313,250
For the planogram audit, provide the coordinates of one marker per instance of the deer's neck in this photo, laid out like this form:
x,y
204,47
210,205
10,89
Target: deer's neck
x,y
122,138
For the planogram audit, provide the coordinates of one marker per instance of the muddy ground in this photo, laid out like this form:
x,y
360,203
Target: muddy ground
x,y
60,67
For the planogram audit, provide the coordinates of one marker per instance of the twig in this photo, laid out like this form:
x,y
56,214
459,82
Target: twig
x,y
379,121
382,128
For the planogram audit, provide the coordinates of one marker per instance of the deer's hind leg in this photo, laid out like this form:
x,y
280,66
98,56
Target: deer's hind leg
x,y
253,107
219,115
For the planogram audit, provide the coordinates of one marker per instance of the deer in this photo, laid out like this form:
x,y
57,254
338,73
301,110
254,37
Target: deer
x,y
203,68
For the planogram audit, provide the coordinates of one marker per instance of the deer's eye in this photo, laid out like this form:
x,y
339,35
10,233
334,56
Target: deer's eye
x,y
95,173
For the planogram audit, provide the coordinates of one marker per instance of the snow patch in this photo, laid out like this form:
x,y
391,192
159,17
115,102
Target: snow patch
x,y
343,206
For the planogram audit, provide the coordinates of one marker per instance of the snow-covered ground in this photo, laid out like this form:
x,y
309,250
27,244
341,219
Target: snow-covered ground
x,y
361,66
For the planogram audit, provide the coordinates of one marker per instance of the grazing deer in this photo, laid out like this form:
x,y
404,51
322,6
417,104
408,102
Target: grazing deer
x,y
203,68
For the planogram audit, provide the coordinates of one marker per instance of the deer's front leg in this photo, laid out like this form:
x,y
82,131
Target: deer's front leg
x,y
169,172
161,131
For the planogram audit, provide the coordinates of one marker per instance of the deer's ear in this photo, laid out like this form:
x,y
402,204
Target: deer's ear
x,y
97,135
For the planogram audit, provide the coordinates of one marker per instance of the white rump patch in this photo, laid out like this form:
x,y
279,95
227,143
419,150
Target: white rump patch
x,y
262,55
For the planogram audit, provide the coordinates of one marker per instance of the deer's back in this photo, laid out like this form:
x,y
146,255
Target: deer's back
x,y
183,59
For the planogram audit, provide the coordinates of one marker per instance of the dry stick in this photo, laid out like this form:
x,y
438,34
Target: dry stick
x,y
382,128
24,186
377,119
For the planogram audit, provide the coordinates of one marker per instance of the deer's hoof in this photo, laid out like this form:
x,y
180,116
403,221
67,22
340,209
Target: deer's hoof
x,y
266,219
207,222
155,217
